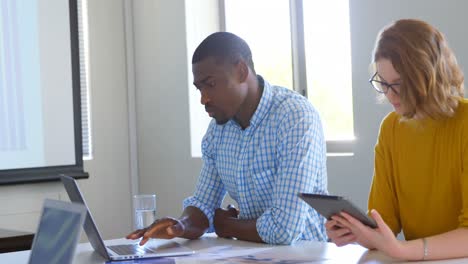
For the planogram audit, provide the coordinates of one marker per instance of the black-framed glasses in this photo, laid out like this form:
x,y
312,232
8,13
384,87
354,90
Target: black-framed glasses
x,y
382,86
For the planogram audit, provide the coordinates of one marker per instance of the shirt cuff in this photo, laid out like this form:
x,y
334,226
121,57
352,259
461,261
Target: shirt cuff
x,y
209,213
272,232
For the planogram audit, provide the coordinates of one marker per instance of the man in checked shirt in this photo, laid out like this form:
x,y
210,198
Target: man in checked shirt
x,y
264,145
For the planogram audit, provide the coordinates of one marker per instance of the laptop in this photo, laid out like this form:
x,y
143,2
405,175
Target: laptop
x,y
57,233
152,249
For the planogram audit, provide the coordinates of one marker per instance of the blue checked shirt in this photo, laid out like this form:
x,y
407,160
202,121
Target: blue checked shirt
x,y
264,167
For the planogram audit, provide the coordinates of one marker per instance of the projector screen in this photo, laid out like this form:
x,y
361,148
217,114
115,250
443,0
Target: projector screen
x,y
40,117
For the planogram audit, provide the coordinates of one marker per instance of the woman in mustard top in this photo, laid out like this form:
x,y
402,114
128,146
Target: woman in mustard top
x,y
420,183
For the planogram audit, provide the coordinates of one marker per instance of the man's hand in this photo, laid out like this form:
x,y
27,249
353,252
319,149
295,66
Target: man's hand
x,y
166,228
191,225
221,218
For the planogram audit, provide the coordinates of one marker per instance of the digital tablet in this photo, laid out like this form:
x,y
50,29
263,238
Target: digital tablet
x,y
330,205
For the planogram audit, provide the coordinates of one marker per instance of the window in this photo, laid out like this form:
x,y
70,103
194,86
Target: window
x,y
268,32
328,65
304,45
84,79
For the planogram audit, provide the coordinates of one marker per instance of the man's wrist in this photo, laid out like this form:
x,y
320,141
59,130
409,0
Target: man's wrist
x,y
229,227
185,221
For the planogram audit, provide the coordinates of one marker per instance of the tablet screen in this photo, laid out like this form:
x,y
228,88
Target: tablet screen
x,y
329,205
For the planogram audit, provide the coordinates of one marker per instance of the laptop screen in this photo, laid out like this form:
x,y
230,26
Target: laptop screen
x,y
58,232
162,248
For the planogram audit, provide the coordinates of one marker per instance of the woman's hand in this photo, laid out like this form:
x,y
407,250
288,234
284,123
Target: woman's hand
x,y
381,238
338,234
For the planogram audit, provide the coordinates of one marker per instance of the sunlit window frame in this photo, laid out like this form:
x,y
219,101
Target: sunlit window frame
x,y
334,147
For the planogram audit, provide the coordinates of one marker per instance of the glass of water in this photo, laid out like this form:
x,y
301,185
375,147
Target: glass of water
x,y
145,210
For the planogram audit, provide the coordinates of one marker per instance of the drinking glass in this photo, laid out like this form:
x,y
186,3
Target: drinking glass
x,y
145,210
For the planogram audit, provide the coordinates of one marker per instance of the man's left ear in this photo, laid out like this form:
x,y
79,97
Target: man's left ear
x,y
243,71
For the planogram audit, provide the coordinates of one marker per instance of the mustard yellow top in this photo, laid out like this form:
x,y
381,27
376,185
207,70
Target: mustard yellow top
x,y
420,182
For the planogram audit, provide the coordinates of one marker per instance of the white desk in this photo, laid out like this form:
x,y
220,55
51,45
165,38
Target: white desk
x,y
307,251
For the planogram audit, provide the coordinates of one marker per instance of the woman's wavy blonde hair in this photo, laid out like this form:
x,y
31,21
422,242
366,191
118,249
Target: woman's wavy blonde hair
x,y
431,80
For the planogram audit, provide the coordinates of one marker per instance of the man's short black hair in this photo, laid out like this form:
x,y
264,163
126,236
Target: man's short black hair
x,y
224,46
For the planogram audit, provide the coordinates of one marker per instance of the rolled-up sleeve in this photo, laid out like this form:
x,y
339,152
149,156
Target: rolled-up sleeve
x,y
210,191
301,154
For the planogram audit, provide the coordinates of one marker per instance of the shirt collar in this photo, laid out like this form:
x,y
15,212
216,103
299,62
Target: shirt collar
x,y
262,108
263,105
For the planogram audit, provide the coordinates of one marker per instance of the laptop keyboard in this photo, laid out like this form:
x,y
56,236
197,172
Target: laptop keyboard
x,y
130,249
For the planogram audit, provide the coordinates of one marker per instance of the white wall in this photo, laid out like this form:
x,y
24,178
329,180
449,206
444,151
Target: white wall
x,y
107,190
108,187
161,72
